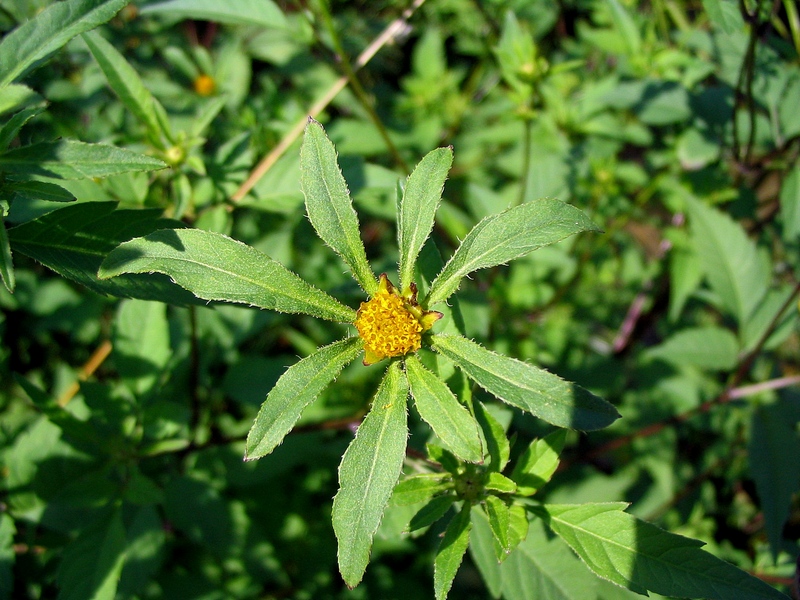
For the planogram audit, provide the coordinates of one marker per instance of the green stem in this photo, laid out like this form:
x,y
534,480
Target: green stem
x,y
794,23
355,84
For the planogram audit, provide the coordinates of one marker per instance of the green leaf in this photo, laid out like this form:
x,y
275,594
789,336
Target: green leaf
x,y
263,13
128,86
91,565
498,482
439,408
34,41
40,190
7,555
298,387
215,267
17,96
497,445
141,343
369,471
420,487
790,206
10,130
6,263
499,520
69,159
74,240
773,450
626,27
451,552
730,260
421,198
434,510
508,235
725,15
444,457
711,347
535,390
538,463
329,206
642,557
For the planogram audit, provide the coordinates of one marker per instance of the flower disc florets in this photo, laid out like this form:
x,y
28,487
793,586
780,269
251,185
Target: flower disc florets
x,y
392,324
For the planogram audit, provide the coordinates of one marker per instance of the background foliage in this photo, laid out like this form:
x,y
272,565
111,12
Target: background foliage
x,y
674,125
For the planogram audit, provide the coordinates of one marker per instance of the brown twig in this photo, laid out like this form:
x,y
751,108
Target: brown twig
x,y
87,370
394,29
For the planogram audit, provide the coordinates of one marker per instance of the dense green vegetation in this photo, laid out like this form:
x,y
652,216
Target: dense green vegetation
x,y
585,381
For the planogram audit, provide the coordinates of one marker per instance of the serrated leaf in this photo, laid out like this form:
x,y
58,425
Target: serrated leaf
x,y
439,408
451,552
508,235
91,565
499,519
434,510
538,463
6,263
74,240
263,13
420,487
128,86
369,471
418,206
712,348
329,206
642,557
529,388
215,267
773,450
498,482
298,387
790,206
70,159
40,190
497,446
729,259
34,41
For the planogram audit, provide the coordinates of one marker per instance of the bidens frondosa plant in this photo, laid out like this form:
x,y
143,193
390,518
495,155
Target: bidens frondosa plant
x,y
400,325
395,324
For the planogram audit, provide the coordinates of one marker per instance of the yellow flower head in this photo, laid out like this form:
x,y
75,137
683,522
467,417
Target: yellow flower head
x,y
392,324
204,85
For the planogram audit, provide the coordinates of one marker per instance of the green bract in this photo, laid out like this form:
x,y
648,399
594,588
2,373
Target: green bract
x,y
215,267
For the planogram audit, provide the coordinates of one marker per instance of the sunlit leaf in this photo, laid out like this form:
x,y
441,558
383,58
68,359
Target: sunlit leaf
x,y
263,13
215,267
503,237
369,471
534,390
297,388
451,552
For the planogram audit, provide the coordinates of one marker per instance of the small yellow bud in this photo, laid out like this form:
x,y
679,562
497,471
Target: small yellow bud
x,y
204,85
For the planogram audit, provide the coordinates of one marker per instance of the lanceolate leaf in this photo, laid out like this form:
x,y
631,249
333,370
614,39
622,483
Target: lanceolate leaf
x,y
297,388
127,84
74,240
451,552
10,130
506,236
418,207
642,557
538,463
33,41
370,468
440,409
535,390
704,347
215,267
730,260
68,159
329,206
